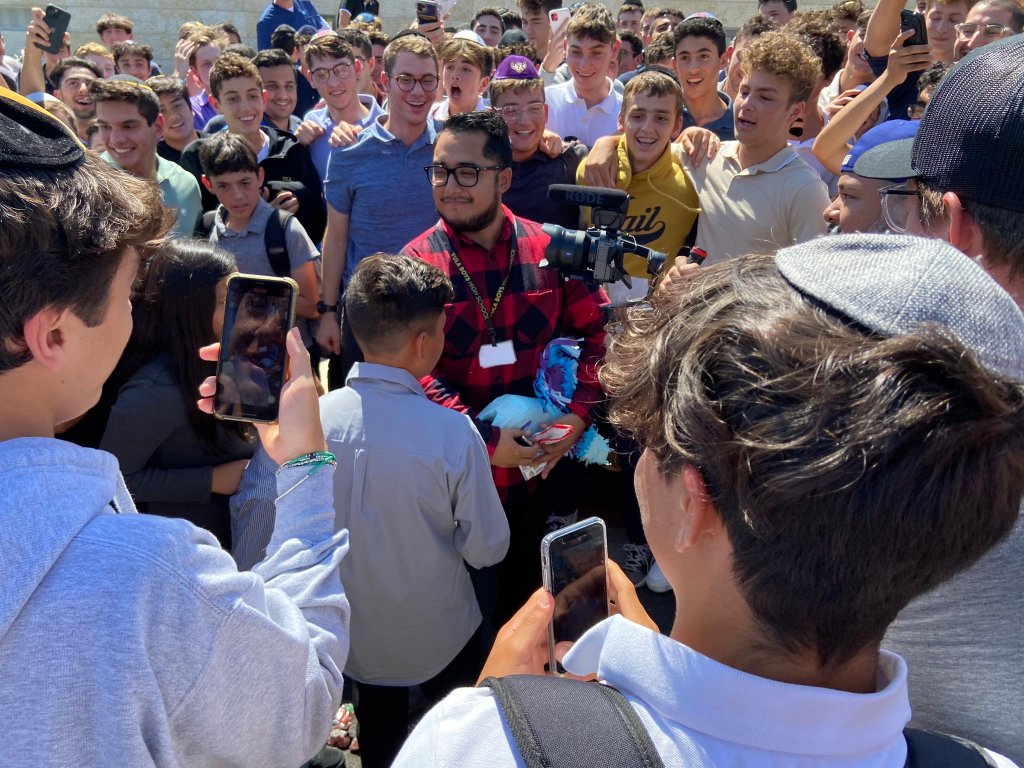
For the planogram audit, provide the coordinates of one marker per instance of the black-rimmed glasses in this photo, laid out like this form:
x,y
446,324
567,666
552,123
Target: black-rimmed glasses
x,y
465,175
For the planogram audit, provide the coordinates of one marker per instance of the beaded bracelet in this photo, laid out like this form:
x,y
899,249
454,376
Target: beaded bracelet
x,y
316,460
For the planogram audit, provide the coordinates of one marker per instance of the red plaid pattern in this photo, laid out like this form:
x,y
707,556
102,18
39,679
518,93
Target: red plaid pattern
x,y
538,306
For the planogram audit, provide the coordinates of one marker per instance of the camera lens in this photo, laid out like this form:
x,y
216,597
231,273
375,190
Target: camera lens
x,y
569,249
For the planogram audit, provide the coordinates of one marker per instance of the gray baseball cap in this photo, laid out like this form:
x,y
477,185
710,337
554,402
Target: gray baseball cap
x,y
895,284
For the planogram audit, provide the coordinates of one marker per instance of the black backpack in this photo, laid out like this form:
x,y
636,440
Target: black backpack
x,y
562,723
273,239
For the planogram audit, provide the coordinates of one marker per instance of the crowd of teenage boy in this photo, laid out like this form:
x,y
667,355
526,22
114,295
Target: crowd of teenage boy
x,y
818,434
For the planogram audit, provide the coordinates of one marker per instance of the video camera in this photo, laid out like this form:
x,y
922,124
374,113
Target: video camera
x,y
597,254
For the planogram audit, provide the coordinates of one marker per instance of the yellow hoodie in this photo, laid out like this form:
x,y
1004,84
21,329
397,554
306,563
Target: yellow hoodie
x,y
663,208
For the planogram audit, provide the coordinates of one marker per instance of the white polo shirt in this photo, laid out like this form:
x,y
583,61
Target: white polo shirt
x,y
758,209
568,114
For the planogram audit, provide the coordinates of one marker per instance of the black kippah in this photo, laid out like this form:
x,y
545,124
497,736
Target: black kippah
x,y
32,138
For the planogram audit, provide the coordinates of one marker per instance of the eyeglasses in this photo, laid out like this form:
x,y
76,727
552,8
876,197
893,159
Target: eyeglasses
x,y
342,70
897,201
465,175
532,111
988,30
407,82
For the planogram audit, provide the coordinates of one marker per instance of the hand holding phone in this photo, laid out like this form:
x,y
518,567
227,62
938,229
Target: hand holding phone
x,y
913,21
57,19
574,564
251,366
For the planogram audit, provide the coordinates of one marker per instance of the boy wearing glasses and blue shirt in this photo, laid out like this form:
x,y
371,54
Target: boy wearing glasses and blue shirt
x,y
377,196
334,72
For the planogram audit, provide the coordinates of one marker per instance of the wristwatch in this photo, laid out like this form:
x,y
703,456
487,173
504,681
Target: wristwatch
x,y
323,308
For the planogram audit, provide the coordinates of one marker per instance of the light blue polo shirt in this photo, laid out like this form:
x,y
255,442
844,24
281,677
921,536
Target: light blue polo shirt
x,y
180,192
380,183
320,149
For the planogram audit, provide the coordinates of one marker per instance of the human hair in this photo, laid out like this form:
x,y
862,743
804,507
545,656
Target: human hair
x,y
1002,230
243,50
65,233
495,12
283,39
168,85
524,49
532,7
189,28
497,145
827,43
175,308
660,50
863,19
131,48
71,62
500,87
389,299
629,7
479,56
230,66
272,57
787,57
701,26
378,37
851,471
417,45
93,49
592,21
329,46
226,152
931,78
228,29
636,44
127,92
754,27
204,36
113,21
358,40
932,3
651,83
510,19
846,10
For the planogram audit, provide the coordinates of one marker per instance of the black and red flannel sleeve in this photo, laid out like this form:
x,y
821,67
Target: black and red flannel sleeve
x,y
582,317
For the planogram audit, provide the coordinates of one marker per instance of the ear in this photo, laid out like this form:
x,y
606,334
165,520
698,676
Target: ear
x,y
357,67
699,514
723,60
484,82
620,123
207,184
615,48
158,125
504,179
266,98
214,103
45,337
964,234
796,112
259,176
850,35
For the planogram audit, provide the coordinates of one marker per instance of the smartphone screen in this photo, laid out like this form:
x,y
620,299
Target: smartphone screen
x,y
574,560
250,372
57,19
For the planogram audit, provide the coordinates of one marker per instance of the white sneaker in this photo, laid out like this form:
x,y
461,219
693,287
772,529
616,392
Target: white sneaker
x,y
636,563
554,522
656,581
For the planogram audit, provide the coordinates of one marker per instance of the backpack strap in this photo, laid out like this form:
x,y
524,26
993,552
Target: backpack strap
x,y
930,749
274,242
563,723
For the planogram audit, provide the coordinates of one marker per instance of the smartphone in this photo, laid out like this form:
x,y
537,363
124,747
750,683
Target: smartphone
x,y
57,19
573,562
559,18
258,314
427,12
914,21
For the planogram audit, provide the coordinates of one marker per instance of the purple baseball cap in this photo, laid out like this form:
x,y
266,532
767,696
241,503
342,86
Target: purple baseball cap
x,y
516,68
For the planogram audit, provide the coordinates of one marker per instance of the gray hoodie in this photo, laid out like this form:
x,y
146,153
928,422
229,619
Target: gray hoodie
x,y
132,640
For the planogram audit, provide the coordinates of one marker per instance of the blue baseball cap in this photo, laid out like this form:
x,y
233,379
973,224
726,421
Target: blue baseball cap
x,y
872,155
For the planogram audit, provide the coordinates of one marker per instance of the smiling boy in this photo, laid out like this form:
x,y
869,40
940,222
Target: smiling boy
x,y
292,180
587,107
699,55
179,130
135,59
129,119
279,81
756,194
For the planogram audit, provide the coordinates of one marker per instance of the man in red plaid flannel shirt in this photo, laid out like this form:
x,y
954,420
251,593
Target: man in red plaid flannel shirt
x,y
506,310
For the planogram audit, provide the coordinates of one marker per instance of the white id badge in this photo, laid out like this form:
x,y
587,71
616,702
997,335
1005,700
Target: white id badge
x,y
493,355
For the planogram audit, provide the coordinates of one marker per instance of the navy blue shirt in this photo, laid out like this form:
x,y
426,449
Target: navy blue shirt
x,y
724,127
303,13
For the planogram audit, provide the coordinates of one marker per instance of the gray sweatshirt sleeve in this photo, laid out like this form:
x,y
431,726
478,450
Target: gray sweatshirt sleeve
x,y
272,680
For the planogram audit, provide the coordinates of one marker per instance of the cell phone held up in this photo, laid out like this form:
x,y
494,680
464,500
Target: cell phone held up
x,y
57,19
427,12
258,313
574,564
914,21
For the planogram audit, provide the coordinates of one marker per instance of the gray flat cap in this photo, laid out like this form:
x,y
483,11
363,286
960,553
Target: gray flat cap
x,y
893,284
